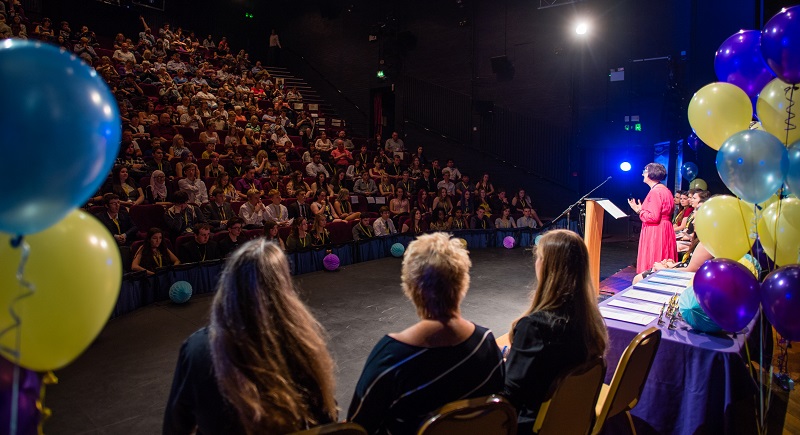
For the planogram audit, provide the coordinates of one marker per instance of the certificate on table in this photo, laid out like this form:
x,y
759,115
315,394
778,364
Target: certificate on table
x,y
661,288
626,316
669,280
642,295
637,305
676,272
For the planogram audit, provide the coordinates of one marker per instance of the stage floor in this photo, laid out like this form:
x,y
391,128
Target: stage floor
x,y
120,385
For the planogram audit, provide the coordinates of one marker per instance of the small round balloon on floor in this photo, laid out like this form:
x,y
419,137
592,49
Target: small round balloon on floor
x,y
509,242
398,250
180,292
331,262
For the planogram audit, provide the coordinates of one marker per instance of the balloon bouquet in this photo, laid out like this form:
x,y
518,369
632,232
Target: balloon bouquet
x,y
60,268
760,164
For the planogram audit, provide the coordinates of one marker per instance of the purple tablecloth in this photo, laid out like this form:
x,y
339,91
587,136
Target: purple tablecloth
x,y
699,383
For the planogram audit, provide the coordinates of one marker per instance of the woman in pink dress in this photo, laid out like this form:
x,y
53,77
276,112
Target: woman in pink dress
x,y
657,240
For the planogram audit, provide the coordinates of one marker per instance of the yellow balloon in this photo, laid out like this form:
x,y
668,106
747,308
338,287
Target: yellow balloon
x,y
76,271
717,111
726,226
763,205
785,226
771,108
698,183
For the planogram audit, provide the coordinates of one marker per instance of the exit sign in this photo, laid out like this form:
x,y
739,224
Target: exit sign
x,y
634,127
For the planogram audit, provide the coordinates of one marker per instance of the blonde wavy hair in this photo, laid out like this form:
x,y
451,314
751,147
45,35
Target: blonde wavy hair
x,y
435,275
269,353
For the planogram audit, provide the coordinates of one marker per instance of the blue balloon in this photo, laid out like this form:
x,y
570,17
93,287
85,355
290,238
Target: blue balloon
x,y
738,61
689,171
753,164
59,120
180,292
397,249
694,142
793,176
780,43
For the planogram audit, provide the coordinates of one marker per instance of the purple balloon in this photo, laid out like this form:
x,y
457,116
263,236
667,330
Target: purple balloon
x,y
727,292
738,61
509,242
331,262
30,384
780,297
761,256
780,44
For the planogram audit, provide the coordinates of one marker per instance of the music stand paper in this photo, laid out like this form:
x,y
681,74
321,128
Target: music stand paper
x,y
612,209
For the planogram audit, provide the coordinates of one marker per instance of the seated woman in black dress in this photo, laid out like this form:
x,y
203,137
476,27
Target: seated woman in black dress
x,y
561,329
153,254
442,358
261,365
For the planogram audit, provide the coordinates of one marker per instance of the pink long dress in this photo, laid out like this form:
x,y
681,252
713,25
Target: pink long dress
x,y
657,240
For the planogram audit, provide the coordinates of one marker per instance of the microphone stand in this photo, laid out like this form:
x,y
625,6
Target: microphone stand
x,y
576,203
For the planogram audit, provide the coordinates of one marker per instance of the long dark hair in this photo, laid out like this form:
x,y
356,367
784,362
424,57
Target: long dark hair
x,y
269,353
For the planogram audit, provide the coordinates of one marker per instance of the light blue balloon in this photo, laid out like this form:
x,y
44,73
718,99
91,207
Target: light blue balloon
x,y
793,177
753,164
180,292
59,133
397,249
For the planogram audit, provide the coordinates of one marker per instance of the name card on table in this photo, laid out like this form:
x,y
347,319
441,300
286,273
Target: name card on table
x,y
637,305
662,288
642,295
626,316
669,280
676,272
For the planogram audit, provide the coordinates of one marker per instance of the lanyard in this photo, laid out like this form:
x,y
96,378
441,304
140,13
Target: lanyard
x,y
158,259
116,222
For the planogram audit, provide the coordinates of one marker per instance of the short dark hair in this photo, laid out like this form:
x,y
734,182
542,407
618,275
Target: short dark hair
x,y
235,220
383,209
180,197
202,226
656,171
108,197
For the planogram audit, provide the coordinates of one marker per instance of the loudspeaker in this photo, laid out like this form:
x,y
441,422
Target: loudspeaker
x,y
502,67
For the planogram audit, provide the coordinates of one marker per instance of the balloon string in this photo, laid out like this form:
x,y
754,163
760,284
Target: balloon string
x,y
49,378
17,243
789,113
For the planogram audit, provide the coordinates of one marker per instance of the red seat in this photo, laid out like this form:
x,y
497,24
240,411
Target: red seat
x,y
148,216
188,133
341,232
220,236
197,149
137,244
283,232
236,205
181,240
253,234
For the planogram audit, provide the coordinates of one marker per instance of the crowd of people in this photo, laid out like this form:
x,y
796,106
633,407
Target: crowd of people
x,y
262,364
210,135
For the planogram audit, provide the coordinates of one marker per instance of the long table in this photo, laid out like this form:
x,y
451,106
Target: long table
x,y
699,383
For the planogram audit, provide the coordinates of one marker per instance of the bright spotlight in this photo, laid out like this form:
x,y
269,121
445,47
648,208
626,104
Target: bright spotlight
x,y
581,28
625,166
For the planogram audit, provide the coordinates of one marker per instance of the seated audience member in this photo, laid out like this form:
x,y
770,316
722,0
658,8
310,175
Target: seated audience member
x,y
482,200
233,239
299,208
423,160
376,171
153,254
339,181
117,220
159,163
299,239
423,202
236,168
485,184
218,211
124,187
427,182
186,158
463,185
395,169
465,204
399,204
480,221
297,183
249,183
561,329
164,129
323,143
363,230
271,234
342,135
316,166
282,165
182,217
384,226
687,236
253,212
261,365
441,358
684,211
406,182
200,248
157,192
520,201
447,184
455,174
353,172
214,169
223,182
343,207
458,221
193,186
321,183
443,201
340,156
365,185
505,221
277,212
386,188
500,201
319,235
394,144
209,135
321,206
439,220
415,225
526,221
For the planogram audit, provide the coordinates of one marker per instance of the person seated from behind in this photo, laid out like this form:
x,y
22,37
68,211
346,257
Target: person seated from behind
x,y
365,185
117,220
182,217
363,230
253,212
560,330
233,238
384,226
200,248
442,358
153,254
262,364
480,221
218,211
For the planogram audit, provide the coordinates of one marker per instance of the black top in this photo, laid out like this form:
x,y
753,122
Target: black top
x,y
545,344
195,398
123,225
226,246
401,384
193,252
